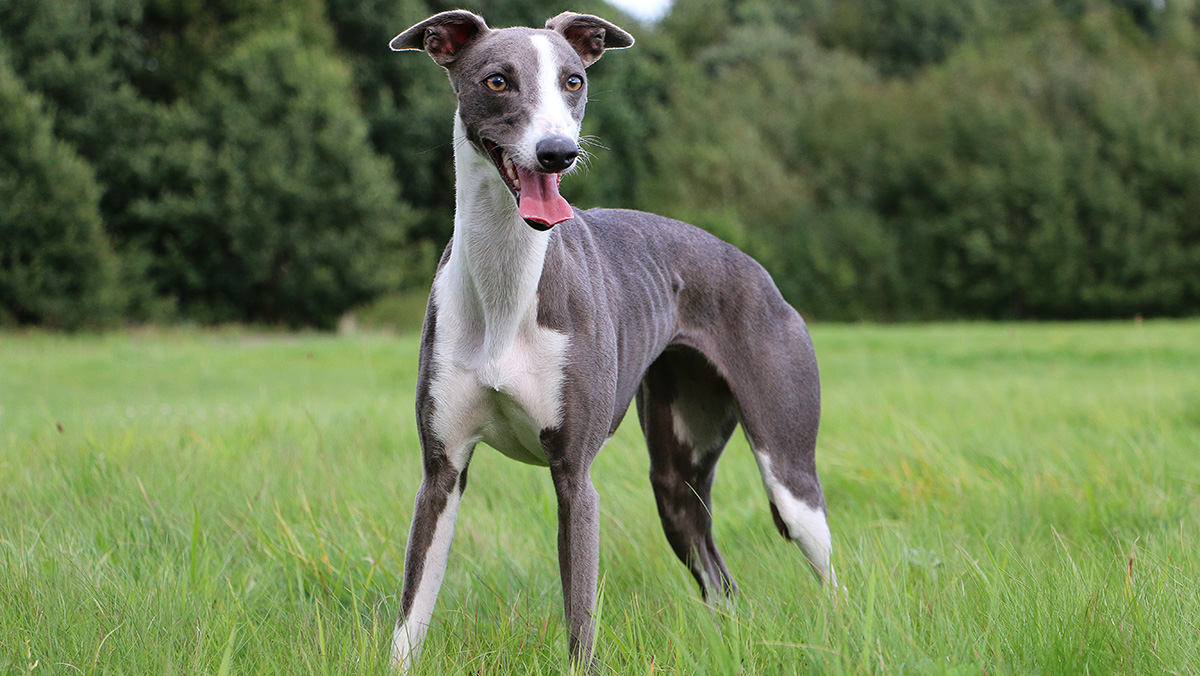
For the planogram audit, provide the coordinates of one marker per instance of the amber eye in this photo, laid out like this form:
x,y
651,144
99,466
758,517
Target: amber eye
x,y
574,83
496,83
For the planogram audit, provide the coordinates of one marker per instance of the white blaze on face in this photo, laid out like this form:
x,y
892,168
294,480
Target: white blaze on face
x,y
551,115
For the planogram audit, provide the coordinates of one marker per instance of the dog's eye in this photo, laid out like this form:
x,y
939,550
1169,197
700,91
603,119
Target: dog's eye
x,y
574,83
496,83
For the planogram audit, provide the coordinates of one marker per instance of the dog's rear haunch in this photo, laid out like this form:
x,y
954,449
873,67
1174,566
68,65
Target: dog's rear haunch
x,y
545,322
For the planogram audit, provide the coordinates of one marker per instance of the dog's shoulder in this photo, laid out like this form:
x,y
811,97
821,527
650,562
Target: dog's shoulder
x,y
620,229
636,241
642,221
620,233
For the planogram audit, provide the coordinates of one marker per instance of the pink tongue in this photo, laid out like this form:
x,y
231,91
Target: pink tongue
x,y
539,200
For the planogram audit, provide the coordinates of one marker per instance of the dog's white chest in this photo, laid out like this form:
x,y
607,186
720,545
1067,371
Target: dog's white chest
x,y
503,394
497,375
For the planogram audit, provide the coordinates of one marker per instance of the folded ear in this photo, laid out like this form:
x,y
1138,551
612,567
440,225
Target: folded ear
x,y
443,35
589,35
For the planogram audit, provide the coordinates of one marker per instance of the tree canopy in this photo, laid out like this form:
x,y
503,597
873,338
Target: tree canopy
x,y
273,161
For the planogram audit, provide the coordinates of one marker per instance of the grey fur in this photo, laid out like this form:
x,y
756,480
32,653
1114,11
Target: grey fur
x,y
654,309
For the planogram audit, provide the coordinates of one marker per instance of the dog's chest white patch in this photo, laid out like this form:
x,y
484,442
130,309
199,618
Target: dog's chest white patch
x,y
502,392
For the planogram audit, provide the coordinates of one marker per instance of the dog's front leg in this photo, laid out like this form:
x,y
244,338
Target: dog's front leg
x,y
578,555
428,548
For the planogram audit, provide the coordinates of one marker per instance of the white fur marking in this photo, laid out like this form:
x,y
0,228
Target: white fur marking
x,y
681,430
551,116
407,638
498,375
698,425
806,526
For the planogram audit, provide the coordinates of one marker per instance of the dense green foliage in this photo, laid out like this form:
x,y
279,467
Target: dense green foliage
x,y
268,160
951,159
1010,500
240,182
56,266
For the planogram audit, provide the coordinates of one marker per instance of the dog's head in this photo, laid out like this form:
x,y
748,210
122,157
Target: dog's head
x,y
521,95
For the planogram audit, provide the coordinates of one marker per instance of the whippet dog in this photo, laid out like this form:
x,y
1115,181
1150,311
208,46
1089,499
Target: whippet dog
x,y
544,323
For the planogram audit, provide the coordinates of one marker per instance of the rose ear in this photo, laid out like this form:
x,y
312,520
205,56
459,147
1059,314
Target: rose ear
x,y
443,36
589,35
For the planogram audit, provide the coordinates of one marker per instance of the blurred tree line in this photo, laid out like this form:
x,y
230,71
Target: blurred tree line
x,y
272,161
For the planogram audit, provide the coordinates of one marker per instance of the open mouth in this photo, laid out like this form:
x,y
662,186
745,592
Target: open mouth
x,y
538,200
504,163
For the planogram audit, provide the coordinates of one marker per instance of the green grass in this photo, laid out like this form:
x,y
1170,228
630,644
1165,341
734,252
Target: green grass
x,y
1005,499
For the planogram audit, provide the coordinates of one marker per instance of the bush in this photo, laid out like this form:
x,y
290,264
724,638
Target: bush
x,y
1052,172
239,184
283,212
56,267
892,160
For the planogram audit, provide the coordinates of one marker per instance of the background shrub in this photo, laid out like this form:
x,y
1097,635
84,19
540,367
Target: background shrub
x,y
273,161
56,266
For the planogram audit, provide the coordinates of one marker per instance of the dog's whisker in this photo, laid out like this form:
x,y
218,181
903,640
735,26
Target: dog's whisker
x,y
438,147
592,141
585,159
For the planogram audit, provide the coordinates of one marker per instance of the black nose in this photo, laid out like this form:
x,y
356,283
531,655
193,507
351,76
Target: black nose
x,y
556,153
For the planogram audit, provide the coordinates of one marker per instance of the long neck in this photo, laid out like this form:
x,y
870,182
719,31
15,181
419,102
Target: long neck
x,y
496,259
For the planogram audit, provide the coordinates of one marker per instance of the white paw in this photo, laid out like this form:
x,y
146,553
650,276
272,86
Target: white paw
x,y
406,644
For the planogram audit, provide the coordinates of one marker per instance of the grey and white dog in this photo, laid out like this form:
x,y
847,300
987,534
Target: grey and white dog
x,y
537,337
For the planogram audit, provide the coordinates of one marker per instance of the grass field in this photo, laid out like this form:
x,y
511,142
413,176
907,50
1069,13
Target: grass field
x,y
1005,499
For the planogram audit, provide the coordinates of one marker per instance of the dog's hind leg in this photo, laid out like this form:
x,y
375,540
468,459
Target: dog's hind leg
x,y
779,405
798,509
687,414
